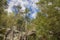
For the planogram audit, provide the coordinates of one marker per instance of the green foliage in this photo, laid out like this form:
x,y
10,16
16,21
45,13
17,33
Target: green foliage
x,y
47,26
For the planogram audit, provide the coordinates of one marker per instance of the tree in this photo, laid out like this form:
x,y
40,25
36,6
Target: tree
x,y
48,25
45,27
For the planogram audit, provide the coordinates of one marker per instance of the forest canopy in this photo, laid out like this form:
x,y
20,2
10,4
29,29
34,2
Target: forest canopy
x,y
46,26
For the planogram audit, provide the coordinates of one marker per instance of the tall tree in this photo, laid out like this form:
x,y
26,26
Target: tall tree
x,y
48,20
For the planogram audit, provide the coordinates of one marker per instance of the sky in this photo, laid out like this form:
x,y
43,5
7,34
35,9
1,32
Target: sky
x,y
29,4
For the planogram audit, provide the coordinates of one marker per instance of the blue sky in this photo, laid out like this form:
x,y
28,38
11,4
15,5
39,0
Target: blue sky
x,y
29,4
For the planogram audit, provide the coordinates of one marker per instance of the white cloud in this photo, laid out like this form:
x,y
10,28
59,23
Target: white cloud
x,y
23,4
